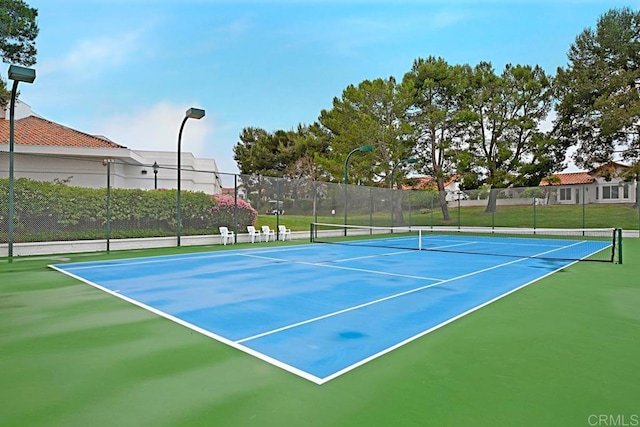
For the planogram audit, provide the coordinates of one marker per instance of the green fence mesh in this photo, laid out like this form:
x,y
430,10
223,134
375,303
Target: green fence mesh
x,y
101,201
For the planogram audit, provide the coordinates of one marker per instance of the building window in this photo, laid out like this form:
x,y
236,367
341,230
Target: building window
x,y
565,194
610,192
625,191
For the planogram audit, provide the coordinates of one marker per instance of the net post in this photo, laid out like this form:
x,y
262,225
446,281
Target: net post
x,y
618,231
419,239
311,229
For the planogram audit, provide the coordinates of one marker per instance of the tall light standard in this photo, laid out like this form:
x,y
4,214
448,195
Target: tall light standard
x,y
403,161
155,175
192,113
393,173
17,74
363,149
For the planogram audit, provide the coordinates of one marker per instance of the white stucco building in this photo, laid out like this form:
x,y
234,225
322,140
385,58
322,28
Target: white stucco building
x,y
48,151
601,185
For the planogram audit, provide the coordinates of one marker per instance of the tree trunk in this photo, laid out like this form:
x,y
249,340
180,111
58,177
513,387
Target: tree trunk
x,y
491,205
442,198
397,208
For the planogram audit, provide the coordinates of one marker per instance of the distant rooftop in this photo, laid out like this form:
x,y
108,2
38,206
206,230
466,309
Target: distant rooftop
x,y
33,130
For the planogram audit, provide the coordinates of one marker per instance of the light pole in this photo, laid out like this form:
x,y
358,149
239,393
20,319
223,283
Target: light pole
x,y
410,160
155,175
393,172
192,113
363,149
17,74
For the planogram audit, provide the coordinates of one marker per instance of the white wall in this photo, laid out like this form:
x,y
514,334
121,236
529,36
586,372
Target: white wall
x,y
84,167
588,196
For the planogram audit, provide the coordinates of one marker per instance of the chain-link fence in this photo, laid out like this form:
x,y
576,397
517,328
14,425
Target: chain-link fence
x,y
106,201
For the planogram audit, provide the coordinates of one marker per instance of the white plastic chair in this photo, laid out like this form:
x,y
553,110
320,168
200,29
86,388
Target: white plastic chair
x,y
268,232
253,233
283,232
226,236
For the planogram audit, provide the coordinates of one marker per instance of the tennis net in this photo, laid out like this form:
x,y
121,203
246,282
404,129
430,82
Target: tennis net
x,y
558,244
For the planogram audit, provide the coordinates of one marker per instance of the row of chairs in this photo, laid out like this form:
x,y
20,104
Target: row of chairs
x,y
227,236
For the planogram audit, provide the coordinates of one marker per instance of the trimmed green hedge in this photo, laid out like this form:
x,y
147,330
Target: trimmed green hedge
x,y
47,211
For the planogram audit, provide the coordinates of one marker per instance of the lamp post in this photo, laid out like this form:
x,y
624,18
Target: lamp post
x,y
155,175
192,113
17,74
410,160
363,149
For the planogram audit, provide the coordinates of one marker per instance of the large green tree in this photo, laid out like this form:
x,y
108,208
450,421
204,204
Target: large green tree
x,y
504,139
436,117
18,32
262,155
373,113
598,91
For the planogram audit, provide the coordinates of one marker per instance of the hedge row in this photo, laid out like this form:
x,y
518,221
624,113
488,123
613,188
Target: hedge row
x,y
54,211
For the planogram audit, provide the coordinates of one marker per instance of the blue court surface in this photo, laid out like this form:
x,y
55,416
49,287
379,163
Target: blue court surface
x,y
318,310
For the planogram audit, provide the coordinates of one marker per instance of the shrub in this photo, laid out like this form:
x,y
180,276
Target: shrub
x,y
223,212
55,211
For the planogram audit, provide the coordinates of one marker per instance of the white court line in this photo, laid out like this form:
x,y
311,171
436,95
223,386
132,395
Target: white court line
x,y
176,257
410,291
198,329
271,360
438,326
372,256
497,241
450,246
362,270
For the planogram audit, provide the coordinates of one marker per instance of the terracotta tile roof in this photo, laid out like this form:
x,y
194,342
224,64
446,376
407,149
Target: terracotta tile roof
x,y
423,183
428,182
34,130
614,165
570,178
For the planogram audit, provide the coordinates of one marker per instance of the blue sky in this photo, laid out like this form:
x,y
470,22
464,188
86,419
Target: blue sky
x,y
129,69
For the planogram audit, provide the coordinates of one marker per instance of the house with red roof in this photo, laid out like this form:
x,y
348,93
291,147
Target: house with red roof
x,y
603,184
451,187
48,151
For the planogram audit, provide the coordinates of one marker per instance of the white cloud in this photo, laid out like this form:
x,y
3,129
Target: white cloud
x,y
156,128
91,57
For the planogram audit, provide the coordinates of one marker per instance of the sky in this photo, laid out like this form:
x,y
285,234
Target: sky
x,y
129,69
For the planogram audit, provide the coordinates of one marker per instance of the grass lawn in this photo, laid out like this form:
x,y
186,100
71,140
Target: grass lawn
x,y
554,353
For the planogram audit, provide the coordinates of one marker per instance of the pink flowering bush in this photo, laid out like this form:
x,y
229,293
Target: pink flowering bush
x,y
222,213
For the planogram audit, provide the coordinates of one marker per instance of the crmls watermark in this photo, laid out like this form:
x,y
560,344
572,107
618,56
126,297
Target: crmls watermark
x,y
614,420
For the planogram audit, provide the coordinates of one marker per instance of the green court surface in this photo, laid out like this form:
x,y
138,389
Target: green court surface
x,y
555,353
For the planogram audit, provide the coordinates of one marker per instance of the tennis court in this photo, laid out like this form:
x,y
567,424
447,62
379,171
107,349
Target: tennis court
x,y
320,311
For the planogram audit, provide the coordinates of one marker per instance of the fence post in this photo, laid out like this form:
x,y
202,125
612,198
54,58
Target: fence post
x,y
108,204
278,201
534,213
410,194
584,225
370,208
431,219
235,207
392,208
315,201
493,220
459,194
